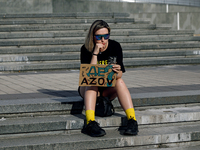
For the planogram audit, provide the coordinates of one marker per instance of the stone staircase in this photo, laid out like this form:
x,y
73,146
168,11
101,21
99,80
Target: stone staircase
x,y
167,120
31,42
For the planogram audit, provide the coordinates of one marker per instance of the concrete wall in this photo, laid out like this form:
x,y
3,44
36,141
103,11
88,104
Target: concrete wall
x,y
102,6
25,6
187,20
190,21
58,6
156,13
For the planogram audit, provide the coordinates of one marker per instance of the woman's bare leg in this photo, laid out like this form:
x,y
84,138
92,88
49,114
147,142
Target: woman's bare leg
x,y
126,102
121,91
123,94
90,94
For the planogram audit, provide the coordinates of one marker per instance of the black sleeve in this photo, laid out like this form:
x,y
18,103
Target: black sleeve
x,y
85,55
120,56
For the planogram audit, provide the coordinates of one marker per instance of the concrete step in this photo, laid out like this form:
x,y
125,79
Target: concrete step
x,y
41,41
75,64
66,15
37,66
30,21
80,40
144,39
67,105
172,146
40,49
42,34
40,57
163,26
154,32
160,53
157,135
157,46
76,48
76,122
131,62
182,148
57,27
56,34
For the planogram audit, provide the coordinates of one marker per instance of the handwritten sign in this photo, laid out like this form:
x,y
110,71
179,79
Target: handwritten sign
x,y
97,75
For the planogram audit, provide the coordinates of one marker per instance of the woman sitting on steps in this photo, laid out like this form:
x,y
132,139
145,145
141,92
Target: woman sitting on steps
x,y
98,49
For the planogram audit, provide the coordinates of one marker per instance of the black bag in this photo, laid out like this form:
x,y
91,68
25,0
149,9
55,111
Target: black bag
x,y
104,107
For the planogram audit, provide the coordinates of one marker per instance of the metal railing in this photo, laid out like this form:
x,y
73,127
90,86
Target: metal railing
x,y
174,2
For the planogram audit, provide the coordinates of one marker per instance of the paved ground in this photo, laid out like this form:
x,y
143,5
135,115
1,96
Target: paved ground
x,y
65,83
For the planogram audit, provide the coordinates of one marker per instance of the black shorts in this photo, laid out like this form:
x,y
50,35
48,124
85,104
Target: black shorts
x,y
100,89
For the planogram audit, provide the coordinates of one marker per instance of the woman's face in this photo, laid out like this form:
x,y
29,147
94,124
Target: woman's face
x,y
102,31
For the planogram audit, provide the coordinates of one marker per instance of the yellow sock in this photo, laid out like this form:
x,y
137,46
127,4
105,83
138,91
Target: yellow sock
x,y
130,113
90,115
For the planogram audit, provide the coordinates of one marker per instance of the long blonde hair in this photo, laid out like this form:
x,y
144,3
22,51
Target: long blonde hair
x,y
89,40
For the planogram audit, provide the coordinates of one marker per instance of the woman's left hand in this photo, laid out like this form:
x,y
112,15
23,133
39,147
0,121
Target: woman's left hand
x,y
116,68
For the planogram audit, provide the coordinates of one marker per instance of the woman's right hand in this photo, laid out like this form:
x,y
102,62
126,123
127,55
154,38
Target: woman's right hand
x,y
98,48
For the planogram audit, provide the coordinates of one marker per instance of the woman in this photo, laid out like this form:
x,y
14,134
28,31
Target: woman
x,y
99,49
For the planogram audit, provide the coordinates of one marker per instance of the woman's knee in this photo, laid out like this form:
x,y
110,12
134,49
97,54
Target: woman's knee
x,y
83,89
119,81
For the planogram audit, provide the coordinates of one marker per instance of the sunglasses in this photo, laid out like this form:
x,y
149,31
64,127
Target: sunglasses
x,y
105,36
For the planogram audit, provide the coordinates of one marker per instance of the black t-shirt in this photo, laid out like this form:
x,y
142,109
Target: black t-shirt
x,y
114,50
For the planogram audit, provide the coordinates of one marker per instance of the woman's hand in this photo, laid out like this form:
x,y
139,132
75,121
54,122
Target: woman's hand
x,y
116,68
98,48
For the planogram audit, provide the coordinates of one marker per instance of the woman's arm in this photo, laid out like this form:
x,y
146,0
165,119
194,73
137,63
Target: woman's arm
x,y
94,59
117,69
98,47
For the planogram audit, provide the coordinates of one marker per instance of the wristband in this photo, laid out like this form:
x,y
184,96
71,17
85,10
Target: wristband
x,y
95,54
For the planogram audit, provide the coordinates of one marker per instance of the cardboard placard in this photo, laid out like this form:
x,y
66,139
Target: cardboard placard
x,y
97,75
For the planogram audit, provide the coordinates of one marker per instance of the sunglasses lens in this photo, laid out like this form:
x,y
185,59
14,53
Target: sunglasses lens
x,y
98,37
106,36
